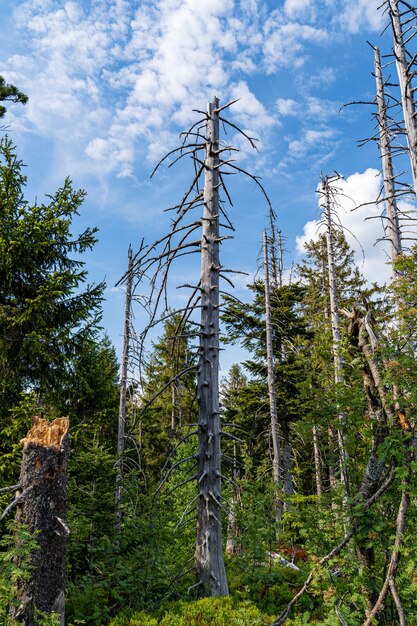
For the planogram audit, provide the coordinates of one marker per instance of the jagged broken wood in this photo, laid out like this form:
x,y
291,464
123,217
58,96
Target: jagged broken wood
x,y
43,510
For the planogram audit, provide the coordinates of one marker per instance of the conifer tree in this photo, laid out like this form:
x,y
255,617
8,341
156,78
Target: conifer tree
x,y
46,308
10,93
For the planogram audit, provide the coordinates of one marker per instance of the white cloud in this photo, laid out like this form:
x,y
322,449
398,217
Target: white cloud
x,y
249,111
312,139
287,107
284,44
362,226
111,81
297,8
357,15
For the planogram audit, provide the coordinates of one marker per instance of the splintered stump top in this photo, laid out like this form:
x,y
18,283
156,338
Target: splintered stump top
x,y
47,434
43,511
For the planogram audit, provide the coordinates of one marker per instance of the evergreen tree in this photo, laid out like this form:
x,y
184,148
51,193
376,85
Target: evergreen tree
x,y
48,312
10,93
46,309
174,408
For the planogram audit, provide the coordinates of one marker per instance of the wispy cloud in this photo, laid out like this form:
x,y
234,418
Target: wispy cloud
x,y
357,15
114,82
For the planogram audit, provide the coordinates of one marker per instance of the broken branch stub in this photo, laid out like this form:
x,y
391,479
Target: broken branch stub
x,y
43,511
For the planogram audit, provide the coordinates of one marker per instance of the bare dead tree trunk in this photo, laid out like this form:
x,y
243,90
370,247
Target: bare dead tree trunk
x,y
389,582
211,574
232,528
317,462
43,483
405,74
336,334
394,233
276,445
287,479
123,394
280,259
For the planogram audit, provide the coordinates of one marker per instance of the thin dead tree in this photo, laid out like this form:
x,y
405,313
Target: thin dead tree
x,y
273,270
317,461
276,444
328,194
209,156
394,233
121,439
402,16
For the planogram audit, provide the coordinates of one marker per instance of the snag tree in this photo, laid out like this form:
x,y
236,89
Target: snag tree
x,y
202,142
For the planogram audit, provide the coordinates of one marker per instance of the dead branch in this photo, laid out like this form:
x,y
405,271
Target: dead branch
x,y
281,619
16,501
395,555
8,489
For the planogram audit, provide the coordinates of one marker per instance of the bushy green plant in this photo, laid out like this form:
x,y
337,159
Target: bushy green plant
x,y
134,618
15,550
204,612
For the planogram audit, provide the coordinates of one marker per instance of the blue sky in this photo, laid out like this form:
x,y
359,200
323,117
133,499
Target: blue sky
x,y
112,83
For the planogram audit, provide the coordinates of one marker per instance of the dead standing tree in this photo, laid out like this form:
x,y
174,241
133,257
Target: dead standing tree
x,y
121,438
328,193
276,444
155,263
402,16
394,234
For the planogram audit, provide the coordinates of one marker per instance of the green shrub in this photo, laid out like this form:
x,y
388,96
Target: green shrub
x,y
129,618
204,612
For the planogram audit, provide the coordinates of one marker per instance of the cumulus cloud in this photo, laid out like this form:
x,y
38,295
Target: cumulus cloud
x,y
116,80
362,226
315,140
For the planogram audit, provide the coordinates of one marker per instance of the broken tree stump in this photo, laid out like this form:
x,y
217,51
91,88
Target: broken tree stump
x,y
43,509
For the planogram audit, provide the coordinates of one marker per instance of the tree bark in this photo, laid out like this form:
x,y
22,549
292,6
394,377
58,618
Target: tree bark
x,y
43,512
394,233
211,573
336,334
405,74
123,394
276,445
317,462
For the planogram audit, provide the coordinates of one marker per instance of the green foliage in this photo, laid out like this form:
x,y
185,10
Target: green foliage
x,y
47,312
174,406
204,612
15,566
10,93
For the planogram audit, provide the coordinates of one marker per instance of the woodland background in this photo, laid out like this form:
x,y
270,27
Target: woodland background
x,y
317,444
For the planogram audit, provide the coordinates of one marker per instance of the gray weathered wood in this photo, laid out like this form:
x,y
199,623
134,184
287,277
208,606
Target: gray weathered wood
x,y
405,75
394,233
335,325
211,573
123,393
317,461
276,445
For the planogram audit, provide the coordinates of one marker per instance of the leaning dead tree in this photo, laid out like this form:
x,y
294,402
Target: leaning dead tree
x,y
212,163
41,501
